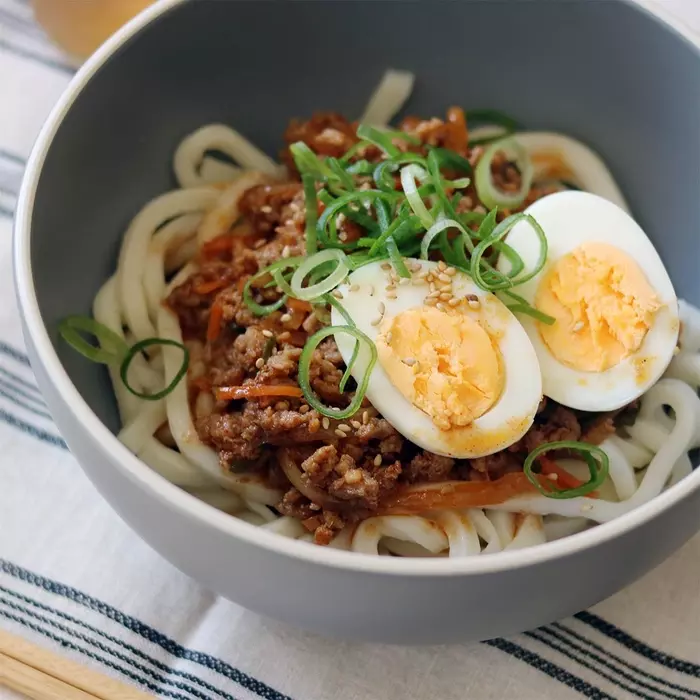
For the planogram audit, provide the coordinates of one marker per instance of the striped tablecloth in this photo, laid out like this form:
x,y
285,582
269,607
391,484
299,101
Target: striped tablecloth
x,y
74,578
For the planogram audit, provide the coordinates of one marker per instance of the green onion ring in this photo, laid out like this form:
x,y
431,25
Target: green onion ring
x,y
136,348
598,468
409,175
326,285
111,347
265,309
356,350
490,117
524,307
498,280
489,194
308,163
305,363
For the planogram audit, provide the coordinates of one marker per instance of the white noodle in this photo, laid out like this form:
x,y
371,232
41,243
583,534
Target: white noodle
x,y
391,93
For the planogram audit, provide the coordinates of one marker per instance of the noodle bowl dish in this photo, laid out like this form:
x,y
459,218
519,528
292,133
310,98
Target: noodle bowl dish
x,y
419,339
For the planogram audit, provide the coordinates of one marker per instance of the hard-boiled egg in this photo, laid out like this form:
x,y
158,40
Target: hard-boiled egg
x,y
614,308
456,373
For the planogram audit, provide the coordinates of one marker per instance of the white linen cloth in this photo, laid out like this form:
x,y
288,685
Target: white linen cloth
x,y
74,578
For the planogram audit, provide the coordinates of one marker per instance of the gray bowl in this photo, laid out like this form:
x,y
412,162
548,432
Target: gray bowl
x,y
608,73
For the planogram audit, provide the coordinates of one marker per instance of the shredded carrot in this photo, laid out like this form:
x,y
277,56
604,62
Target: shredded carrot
x,y
298,305
209,287
458,138
233,393
218,245
564,479
216,314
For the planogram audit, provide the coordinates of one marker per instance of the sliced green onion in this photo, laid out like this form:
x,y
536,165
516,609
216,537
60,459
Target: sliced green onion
x,y
495,280
311,205
489,194
308,163
305,362
595,458
383,214
396,259
524,307
269,347
396,134
344,178
355,351
275,267
360,167
409,175
316,290
449,159
136,348
379,139
110,348
504,125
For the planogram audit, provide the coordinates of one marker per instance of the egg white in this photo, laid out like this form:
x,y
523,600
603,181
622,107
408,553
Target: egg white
x,y
507,420
570,219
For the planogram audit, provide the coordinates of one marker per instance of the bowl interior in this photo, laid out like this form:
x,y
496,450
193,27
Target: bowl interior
x,y
553,65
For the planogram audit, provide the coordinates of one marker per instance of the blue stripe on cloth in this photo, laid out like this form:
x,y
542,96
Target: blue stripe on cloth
x,y
31,430
7,190
145,631
30,396
20,380
12,157
67,644
14,353
636,645
155,676
35,57
584,640
597,663
550,669
22,404
119,642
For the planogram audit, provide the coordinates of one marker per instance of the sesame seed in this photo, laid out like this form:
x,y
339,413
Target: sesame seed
x,y
340,433
474,304
404,281
432,287
385,266
281,406
381,307
353,476
378,461
303,408
285,318
371,290
343,236
376,321
365,417
415,267
431,301
453,302
355,424
266,209
441,265
286,335
259,363
326,423
354,287
337,294
578,326
390,287
391,295
314,425
286,251
345,428
451,271
429,277
266,333
676,350
410,361
424,275
587,506
553,477
440,306
445,296
444,278
260,243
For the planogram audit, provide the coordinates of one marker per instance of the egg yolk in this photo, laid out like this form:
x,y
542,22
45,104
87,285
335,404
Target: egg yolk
x,y
444,363
602,304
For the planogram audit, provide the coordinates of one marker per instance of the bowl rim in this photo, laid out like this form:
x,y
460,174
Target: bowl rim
x,y
159,488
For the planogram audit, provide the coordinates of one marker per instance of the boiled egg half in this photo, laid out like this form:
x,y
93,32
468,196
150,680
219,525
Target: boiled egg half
x,y
614,307
456,373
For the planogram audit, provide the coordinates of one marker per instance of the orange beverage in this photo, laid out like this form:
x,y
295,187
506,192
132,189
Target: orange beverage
x,y
80,26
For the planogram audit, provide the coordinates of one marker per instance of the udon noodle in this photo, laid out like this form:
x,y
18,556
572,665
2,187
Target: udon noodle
x,y
159,252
